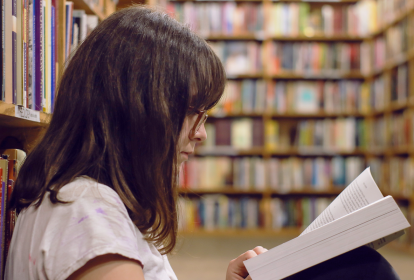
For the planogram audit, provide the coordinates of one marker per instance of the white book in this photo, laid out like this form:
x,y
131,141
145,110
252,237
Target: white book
x,y
359,216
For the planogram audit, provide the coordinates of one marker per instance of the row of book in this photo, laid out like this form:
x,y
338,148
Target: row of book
x,y
393,46
219,212
10,161
38,37
301,97
240,57
394,175
283,175
228,18
309,59
313,58
282,19
239,133
388,10
310,136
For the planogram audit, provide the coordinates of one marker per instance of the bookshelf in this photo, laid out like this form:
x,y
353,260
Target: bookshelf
x,y
377,113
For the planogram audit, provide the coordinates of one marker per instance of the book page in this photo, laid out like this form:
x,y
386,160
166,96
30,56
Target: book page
x,y
361,192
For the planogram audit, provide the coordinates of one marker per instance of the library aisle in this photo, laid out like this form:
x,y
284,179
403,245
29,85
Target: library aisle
x,y
207,257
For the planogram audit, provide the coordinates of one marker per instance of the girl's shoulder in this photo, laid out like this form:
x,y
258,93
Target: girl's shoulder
x,y
86,189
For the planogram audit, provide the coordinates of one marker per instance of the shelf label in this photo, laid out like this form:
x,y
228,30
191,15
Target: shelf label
x,y
27,114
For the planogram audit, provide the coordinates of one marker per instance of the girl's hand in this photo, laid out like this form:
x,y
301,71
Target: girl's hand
x,y
236,269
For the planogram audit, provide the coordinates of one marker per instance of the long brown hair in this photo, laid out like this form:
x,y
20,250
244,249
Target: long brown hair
x,y
118,114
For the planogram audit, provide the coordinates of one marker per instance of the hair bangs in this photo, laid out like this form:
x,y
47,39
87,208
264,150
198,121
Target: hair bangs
x,y
209,78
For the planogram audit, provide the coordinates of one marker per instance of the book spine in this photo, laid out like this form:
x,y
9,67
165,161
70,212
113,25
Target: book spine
x,y
43,63
2,64
32,32
14,52
38,53
24,36
53,60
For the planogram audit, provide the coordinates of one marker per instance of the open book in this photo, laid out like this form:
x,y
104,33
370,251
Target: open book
x,y
359,216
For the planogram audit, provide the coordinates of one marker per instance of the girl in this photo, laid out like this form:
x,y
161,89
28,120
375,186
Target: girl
x,y
97,195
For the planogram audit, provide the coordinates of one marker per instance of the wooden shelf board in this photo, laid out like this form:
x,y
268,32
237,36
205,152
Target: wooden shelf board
x,y
299,38
8,119
315,115
228,151
302,191
316,151
319,38
305,151
89,9
235,37
222,190
246,76
310,191
290,75
235,115
288,232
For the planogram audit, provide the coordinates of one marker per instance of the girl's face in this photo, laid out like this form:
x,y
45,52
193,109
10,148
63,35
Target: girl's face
x,y
187,143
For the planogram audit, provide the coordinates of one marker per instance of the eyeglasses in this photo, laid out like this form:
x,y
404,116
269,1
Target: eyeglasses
x,y
201,119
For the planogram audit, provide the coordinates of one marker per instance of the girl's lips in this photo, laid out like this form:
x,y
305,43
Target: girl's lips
x,y
185,155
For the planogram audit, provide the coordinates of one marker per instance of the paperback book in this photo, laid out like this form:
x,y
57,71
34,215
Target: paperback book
x,y
359,216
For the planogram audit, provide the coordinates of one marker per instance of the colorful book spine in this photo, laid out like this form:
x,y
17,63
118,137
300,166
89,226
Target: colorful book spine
x,y
38,52
24,53
32,56
53,56
2,62
14,52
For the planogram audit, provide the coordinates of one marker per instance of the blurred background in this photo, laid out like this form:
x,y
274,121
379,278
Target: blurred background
x,y
317,91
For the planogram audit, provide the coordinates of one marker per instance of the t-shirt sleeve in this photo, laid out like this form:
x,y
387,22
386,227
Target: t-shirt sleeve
x,y
95,223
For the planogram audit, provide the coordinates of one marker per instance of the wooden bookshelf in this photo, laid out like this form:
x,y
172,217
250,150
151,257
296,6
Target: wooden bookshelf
x,y
299,38
384,153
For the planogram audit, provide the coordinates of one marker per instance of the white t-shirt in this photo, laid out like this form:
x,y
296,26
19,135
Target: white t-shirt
x,y
55,240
